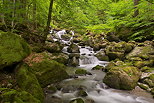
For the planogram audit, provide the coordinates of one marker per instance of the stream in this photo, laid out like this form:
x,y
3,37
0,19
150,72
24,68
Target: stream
x,y
97,91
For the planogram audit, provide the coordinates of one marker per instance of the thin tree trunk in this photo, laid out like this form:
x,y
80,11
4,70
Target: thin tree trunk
x,y
34,15
136,12
49,19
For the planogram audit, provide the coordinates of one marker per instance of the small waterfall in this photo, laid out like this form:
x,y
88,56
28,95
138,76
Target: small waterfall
x,y
93,84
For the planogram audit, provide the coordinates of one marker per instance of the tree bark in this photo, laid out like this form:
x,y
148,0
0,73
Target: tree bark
x,y
49,19
136,11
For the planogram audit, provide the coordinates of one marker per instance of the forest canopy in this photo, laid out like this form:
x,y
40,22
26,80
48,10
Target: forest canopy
x,y
129,19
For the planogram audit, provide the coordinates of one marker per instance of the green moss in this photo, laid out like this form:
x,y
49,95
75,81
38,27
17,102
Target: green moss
x,y
81,71
14,96
98,67
143,86
122,77
141,64
146,69
27,81
151,77
49,71
13,49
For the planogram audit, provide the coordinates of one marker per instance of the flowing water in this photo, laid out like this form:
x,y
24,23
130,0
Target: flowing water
x,y
94,86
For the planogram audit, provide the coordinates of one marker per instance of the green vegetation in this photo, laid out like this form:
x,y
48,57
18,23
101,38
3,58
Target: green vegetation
x,y
129,19
13,49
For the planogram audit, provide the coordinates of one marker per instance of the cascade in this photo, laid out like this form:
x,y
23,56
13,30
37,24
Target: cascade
x,y
92,84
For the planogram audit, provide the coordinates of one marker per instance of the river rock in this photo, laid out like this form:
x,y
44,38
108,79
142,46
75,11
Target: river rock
x,y
14,96
118,50
74,59
66,37
98,67
122,77
82,93
13,49
144,52
81,71
73,48
78,100
46,70
28,82
55,47
59,57
145,55
101,56
73,62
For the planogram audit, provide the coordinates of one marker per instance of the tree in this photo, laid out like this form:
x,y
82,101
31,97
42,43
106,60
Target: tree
x,y
136,12
49,19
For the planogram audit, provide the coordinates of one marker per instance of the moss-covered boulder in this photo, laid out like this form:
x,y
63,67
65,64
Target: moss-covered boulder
x,y
55,47
101,56
28,82
14,96
81,71
73,48
118,50
98,67
13,49
46,70
122,77
144,52
59,57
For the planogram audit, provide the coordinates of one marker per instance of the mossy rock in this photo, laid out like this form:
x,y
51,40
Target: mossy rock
x,y
101,56
142,52
118,50
46,70
151,77
13,49
149,82
81,72
122,77
143,86
14,96
146,69
28,82
73,48
140,64
98,67
59,57
78,100
53,47
82,93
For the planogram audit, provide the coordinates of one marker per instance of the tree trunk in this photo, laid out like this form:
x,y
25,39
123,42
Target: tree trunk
x,y
136,11
49,19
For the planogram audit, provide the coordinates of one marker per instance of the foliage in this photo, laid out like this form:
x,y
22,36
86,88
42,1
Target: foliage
x,y
81,15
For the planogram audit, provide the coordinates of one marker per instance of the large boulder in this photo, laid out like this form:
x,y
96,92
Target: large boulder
x,y
59,57
46,70
122,77
101,56
74,59
13,49
142,56
55,47
14,96
73,48
28,82
118,50
144,52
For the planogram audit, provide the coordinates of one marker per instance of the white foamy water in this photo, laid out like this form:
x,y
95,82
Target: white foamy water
x,y
95,88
